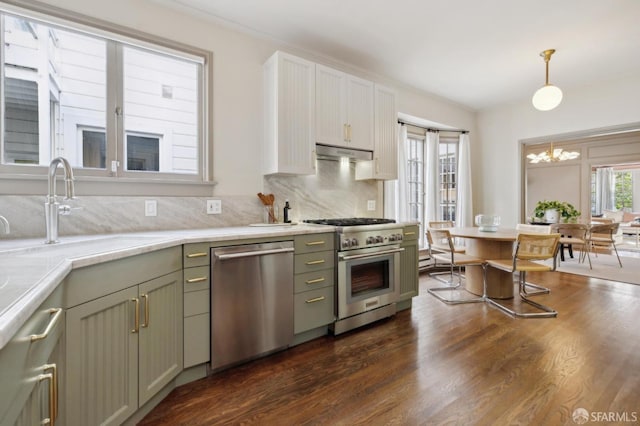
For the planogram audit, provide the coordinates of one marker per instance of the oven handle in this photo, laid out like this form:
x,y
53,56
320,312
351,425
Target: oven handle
x,y
377,253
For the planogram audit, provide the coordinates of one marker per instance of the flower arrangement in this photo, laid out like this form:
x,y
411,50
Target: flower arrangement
x,y
566,210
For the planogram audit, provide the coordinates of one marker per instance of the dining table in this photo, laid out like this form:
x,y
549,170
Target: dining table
x,y
488,245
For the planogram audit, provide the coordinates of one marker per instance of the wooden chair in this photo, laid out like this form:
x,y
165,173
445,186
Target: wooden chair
x,y
602,235
527,249
454,259
571,235
441,224
440,246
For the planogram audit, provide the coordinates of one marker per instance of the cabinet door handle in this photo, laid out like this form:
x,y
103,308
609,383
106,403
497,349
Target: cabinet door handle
x,y
315,281
315,243
345,132
50,420
199,254
410,233
349,132
136,320
146,310
196,280
315,262
315,299
57,312
54,373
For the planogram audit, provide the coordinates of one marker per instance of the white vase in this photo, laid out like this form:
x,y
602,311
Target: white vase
x,y
551,216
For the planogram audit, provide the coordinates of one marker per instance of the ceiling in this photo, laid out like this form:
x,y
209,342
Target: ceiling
x,y
476,53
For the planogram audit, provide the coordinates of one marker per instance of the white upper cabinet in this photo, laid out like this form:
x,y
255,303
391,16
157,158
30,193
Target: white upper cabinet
x,y
344,109
385,152
289,123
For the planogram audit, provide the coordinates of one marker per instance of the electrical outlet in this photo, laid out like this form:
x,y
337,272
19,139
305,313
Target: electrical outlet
x,y
214,206
150,208
371,205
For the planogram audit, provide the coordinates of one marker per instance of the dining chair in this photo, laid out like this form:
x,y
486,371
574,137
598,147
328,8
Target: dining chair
x,y
439,246
529,250
602,236
454,259
441,224
571,235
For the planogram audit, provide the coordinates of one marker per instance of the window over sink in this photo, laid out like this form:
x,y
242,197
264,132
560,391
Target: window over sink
x,y
121,106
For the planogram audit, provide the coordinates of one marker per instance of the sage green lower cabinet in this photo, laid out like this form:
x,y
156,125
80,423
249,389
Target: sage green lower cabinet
x,y
122,349
31,367
409,273
197,299
314,282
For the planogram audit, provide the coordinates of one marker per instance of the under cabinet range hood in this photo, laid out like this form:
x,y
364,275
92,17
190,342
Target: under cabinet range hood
x,y
328,152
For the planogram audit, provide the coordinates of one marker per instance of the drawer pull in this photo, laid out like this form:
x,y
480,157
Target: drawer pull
x,y
51,419
146,310
315,281
315,262
136,326
54,373
199,254
315,299
410,233
315,243
196,280
57,312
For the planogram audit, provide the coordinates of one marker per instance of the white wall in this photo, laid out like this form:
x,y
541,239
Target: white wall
x,y
496,167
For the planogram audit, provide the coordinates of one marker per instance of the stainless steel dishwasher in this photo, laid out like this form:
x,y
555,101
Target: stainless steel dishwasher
x,y
251,301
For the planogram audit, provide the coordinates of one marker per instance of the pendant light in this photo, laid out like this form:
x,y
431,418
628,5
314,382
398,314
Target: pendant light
x,y
548,96
553,155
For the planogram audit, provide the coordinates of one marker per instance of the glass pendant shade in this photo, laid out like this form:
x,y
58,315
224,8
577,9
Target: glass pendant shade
x,y
547,97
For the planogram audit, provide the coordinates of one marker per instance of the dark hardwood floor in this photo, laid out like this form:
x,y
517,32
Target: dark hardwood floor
x,y
440,364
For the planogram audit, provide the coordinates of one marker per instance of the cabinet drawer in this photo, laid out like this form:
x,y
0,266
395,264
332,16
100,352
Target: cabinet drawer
x,y
196,279
23,357
196,340
314,261
314,280
314,242
410,232
313,309
195,254
196,302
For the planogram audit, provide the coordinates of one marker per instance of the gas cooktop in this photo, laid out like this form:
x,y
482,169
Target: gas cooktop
x,y
351,221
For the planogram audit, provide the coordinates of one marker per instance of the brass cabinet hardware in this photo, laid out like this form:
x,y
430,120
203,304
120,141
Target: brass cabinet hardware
x,y
315,299
198,254
51,420
315,243
54,373
345,132
410,233
315,281
315,262
146,310
196,280
56,312
349,132
136,319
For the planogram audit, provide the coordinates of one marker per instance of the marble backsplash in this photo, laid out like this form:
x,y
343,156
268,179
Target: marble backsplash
x,y
332,192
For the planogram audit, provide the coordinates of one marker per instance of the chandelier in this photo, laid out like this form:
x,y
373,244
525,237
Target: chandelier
x,y
552,155
548,96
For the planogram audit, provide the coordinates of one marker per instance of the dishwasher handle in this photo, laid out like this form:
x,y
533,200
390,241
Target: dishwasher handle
x,y
252,253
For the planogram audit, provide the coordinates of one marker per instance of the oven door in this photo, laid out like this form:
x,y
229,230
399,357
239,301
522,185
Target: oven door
x,y
368,279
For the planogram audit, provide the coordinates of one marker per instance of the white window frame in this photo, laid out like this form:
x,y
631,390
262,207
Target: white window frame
x,y
17,179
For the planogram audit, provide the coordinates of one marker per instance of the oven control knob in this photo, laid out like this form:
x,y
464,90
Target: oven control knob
x,y
392,237
379,239
354,242
371,240
346,243
398,237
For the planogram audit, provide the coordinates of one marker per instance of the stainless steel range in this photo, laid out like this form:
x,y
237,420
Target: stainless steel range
x,y
368,275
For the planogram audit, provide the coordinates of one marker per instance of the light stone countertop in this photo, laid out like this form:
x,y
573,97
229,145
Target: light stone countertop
x,y
31,270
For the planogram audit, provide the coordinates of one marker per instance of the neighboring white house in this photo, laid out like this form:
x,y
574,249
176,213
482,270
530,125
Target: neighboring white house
x,y
56,92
